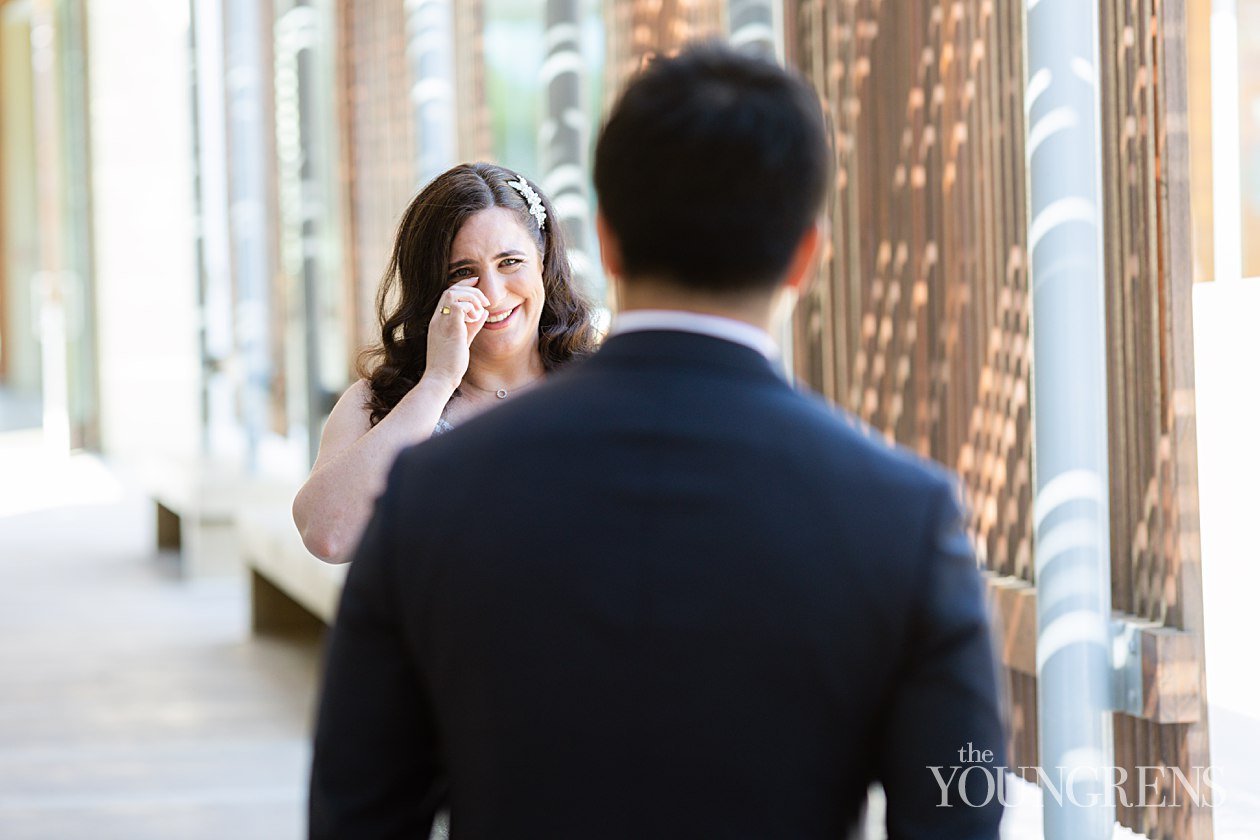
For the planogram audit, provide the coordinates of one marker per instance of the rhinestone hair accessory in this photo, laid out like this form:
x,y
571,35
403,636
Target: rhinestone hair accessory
x,y
536,208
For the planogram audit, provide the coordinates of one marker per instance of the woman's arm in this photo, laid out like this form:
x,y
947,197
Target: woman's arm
x,y
334,505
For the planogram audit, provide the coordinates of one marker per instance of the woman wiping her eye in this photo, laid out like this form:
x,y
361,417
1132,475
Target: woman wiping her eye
x,y
477,304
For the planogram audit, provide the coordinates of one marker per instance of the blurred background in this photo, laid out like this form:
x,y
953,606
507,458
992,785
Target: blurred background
x,y
197,202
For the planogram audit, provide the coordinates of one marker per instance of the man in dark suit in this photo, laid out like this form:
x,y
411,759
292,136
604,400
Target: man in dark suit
x,y
666,595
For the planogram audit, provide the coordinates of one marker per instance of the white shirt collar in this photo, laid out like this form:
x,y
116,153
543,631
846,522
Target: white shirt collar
x,y
717,326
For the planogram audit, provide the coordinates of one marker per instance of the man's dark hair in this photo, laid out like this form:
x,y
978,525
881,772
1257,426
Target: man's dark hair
x,y
711,167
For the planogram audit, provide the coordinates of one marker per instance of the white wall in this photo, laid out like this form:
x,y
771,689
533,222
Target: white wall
x,y
142,212
1226,356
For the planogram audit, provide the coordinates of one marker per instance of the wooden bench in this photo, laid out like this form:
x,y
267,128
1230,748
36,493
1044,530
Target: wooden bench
x,y
291,590
196,501
224,522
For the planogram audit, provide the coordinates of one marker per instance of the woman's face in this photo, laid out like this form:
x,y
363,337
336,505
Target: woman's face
x,y
495,248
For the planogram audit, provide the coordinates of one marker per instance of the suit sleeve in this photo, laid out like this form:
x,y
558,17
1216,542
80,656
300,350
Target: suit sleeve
x,y
375,767
945,700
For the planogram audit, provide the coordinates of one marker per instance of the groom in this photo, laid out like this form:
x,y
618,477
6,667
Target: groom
x,y
666,595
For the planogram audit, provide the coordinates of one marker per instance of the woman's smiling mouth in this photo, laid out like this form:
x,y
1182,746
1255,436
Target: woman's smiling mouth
x,y
500,320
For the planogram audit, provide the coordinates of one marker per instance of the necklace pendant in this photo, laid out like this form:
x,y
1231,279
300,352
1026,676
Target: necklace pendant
x,y
501,393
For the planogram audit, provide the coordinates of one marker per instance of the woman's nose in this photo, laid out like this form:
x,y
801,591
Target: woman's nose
x,y
491,285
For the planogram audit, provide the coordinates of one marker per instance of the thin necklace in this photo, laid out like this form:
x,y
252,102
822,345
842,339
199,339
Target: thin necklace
x,y
502,393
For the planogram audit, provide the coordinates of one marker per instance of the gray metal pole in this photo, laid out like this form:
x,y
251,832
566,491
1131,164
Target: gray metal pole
x,y
248,221
431,54
222,435
754,28
563,135
1074,696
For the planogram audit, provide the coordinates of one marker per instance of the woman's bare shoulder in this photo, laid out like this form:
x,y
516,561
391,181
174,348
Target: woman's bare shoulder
x,y
350,419
360,390
355,402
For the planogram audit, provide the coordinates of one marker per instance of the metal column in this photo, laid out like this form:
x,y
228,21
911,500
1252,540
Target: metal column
x,y
431,54
1069,418
756,27
247,77
563,137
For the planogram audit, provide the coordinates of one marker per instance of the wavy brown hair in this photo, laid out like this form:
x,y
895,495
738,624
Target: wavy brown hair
x,y
417,277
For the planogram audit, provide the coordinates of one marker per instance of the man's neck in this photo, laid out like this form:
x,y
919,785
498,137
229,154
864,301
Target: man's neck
x,y
756,308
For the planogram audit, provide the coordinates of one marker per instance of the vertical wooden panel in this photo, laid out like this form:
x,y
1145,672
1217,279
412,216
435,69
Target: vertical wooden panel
x,y
637,29
922,331
1154,478
1198,55
475,141
921,324
1177,274
380,143
379,132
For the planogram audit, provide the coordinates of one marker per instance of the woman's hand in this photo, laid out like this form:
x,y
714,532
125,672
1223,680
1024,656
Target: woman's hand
x,y
452,333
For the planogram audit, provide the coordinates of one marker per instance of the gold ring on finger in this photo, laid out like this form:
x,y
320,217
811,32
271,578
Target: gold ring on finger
x,y
446,310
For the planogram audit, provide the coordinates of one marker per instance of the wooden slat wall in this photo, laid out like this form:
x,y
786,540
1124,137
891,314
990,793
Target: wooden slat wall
x,y
1199,112
637,29
378,145
921,324
379,133
1155,532
923,329
475,138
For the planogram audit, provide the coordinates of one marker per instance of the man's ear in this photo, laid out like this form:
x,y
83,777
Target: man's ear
x,y
804,263
609,246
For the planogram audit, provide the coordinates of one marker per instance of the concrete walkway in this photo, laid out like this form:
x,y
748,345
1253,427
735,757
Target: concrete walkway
x,y
133,704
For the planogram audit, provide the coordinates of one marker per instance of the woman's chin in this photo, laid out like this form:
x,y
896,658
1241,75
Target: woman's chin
x,y
503,344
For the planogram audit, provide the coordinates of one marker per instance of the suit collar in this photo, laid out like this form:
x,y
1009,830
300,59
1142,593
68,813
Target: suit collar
x,y
740,332
677,349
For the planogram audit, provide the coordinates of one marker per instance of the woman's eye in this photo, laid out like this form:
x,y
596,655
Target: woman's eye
x,y
509,262
461,273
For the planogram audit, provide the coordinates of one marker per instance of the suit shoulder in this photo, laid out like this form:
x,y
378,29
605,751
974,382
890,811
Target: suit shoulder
x,y
427,458
859,445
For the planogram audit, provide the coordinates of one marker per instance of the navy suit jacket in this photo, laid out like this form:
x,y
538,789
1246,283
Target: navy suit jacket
x,y
664,595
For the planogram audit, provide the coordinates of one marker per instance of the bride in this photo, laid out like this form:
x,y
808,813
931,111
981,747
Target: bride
x,y
477,305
